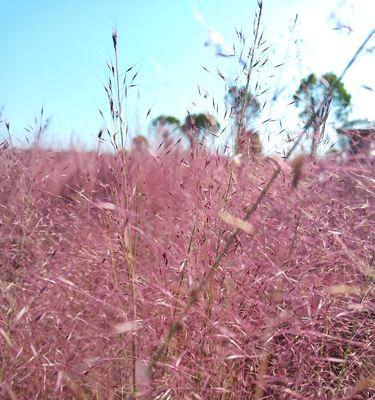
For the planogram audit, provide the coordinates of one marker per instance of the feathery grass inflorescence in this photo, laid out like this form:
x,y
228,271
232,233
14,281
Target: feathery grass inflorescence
x,y
184,274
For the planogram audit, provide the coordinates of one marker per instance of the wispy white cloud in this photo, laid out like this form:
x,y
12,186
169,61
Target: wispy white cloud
x,y
214,38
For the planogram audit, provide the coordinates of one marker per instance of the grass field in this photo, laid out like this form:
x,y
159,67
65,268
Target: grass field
x,y
184,272
111,293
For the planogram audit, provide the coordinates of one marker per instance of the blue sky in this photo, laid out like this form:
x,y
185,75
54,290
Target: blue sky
x,y
54,53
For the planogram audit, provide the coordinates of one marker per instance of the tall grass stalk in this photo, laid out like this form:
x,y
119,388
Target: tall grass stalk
x,y
128,198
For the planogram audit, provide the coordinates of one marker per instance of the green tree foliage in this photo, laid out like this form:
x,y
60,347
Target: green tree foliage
x,y
239,99
194,128
165,125
201,121
197,125
166,120
311,93
309,98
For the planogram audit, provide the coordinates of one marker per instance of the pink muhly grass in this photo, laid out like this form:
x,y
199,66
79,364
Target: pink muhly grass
x,y
288,314
185,274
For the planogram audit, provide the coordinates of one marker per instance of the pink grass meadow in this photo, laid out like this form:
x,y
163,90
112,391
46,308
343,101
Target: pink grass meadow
x,y
185,274
288,313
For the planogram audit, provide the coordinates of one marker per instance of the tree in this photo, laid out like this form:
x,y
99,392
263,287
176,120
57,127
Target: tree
x,y
236,98
140,144
166,119
196,126
309,97
165,125
245,109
